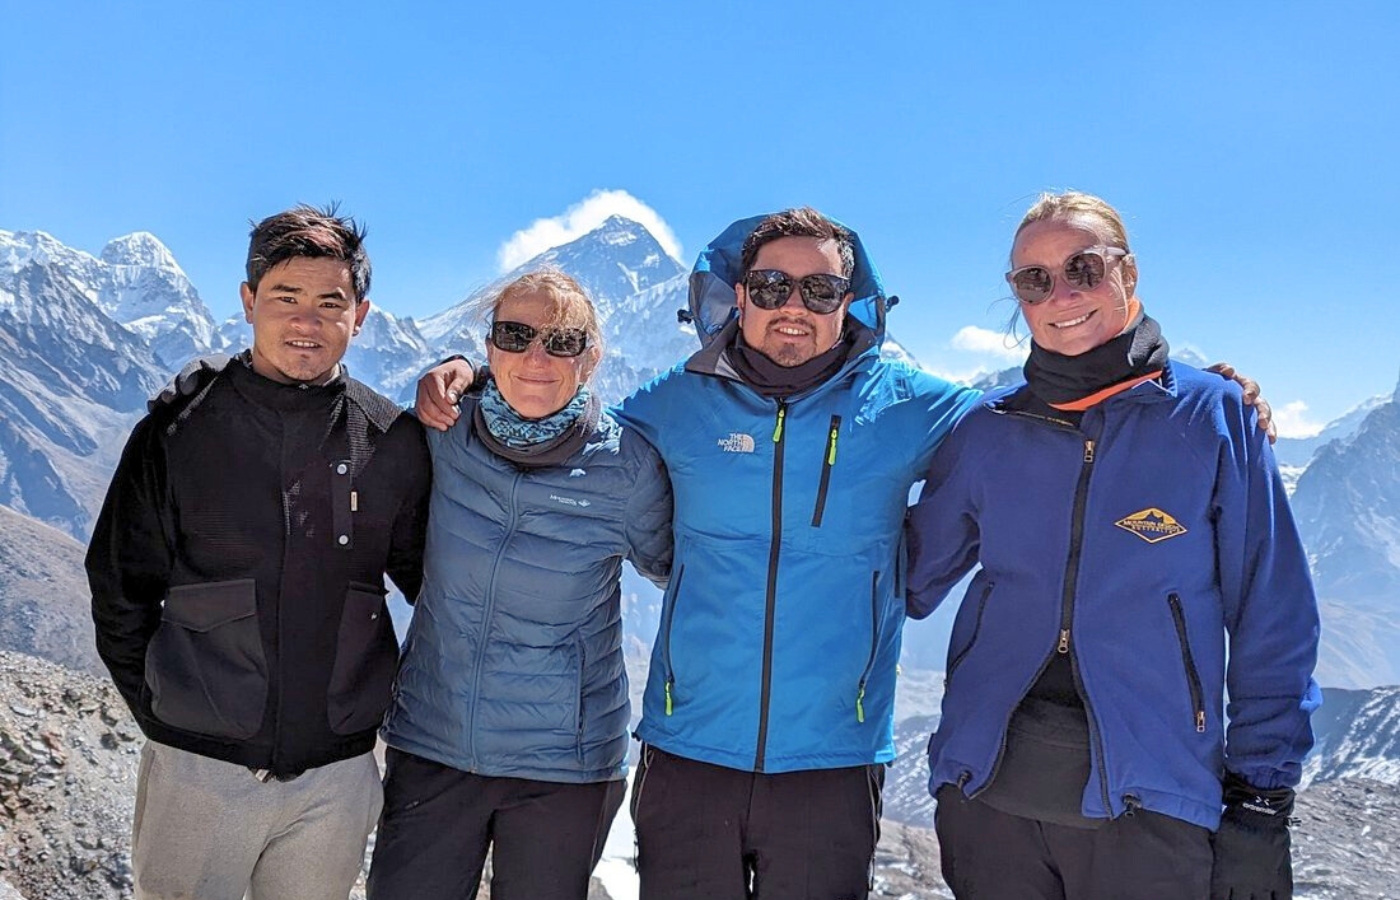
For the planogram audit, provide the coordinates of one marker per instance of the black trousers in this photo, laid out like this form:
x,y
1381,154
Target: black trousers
x,y
438,822
705,832
992,855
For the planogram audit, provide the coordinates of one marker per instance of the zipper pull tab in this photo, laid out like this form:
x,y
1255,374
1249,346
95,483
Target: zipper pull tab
x,y
1200,721
1063,647
831,446
1088,451
860,707
778,429
668,696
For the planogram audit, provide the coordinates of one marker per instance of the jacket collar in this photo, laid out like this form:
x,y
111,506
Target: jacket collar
x,y
1020,399
713,358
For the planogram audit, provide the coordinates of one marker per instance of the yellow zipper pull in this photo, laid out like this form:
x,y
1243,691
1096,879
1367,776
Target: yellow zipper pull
x,y
831,446
1063,647
860,707
668,696
778,430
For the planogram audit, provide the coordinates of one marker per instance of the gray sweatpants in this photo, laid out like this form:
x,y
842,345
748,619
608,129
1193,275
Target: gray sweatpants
x,y
208,829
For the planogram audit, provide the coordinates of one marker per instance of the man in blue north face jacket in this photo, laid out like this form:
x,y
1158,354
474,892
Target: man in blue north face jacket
x,y
792,446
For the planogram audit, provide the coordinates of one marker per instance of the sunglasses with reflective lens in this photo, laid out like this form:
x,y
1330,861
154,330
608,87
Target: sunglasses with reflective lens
x,y
771,288
1083,271
516,337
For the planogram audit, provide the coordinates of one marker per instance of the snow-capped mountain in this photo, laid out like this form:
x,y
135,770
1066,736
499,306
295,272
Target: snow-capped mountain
x,y
71,382
635,285
1298,452
136,281
1358,736
1347,505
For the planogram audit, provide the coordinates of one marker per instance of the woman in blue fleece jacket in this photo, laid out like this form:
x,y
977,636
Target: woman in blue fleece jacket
x,y
1131,527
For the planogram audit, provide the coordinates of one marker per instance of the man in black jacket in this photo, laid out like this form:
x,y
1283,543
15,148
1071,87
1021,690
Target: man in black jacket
x,y
237,573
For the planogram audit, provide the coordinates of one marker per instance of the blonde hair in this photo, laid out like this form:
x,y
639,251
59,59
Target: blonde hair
x,y
572,307
1078,208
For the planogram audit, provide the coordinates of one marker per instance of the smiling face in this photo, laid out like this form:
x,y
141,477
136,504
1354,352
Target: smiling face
x,y
1072,321
303,316
792,334
534,383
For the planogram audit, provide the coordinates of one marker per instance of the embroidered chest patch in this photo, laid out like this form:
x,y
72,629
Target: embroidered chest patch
x,y
1152,525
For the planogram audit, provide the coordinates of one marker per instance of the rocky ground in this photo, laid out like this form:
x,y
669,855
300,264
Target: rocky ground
x,y
68,755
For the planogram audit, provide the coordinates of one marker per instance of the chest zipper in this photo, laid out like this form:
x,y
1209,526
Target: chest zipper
x,y
828,461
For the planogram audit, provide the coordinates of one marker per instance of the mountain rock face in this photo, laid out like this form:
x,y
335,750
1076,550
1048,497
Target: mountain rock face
x,y
71,383
1347,505
1358,736
44,607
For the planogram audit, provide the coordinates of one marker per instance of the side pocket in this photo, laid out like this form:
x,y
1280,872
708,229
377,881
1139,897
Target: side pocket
x,y
205,665
670,613
1193,680
366,656
971,641
874,645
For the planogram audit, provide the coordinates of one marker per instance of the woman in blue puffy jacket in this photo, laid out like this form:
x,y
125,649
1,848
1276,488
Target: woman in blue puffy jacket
x,y
508,728
1131,528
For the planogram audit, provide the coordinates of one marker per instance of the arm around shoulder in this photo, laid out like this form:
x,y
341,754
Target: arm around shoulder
x,y
650,510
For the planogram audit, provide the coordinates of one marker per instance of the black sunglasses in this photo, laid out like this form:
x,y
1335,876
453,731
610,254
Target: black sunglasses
x,y
516,337
1084,270
771,288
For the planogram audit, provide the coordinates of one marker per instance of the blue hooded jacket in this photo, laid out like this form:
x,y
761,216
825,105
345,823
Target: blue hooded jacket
x,y
1139,541
781,625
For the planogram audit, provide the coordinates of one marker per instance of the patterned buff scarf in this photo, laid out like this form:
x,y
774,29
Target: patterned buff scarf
x,y
510,428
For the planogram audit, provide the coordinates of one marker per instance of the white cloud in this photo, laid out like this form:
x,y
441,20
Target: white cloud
x,y
1292,421
578,220
1000,346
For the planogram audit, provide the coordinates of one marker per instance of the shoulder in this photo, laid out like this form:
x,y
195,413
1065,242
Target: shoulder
x,y
919,383
379,410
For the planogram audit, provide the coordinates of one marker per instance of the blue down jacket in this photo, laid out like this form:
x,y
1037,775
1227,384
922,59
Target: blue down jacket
x,y
781,626
1139,541
513,663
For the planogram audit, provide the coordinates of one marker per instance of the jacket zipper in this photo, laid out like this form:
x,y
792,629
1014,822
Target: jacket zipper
x,y
828,460
486,617
1076,546
1192,679
772,600
666,642
874,644
976,629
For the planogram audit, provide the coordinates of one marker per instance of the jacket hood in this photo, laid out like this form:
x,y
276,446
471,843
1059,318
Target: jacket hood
x,y
720,265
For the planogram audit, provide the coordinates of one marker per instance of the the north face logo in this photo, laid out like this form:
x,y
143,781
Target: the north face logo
x,y
1152,525
737,443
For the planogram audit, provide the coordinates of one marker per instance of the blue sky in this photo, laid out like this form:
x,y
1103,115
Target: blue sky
x,y
1252,146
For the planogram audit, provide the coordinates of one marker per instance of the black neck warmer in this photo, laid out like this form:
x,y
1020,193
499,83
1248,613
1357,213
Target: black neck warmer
x,y
1064,379
772,380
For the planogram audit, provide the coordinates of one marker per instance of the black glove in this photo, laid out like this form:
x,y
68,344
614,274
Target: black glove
x,y
1252,860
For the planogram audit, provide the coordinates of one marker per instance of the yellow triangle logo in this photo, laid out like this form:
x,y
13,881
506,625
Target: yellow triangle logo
x,y
1152,525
